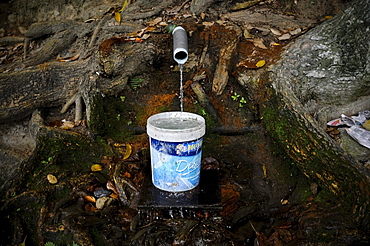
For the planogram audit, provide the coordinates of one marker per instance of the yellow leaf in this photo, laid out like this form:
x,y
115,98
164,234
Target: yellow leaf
x,y
117,17
366,125
261,63
96,168
128,151
284,201
52,179
125,3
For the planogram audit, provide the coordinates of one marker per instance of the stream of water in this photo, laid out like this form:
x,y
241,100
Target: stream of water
x,y
181,90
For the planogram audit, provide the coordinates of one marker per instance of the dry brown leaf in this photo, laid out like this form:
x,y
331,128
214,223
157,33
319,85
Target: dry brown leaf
x,y
207,23
247,34
112,187
145,36
286,36
114,196
154,22
275,31
275,240
68,59
52,179
89,198
150,28
259,43
90,208
67,125
296,31
127,175
103,202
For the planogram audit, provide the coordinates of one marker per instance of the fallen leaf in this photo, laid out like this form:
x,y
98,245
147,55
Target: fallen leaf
x,y
117,17
284,201
52,179
111,186
67,125
90,198
128,151
261,63
96,168
145,36
286,36
118,145
127,175
150,29
296,31
68,59
275,32
162,23
207,23
154,22
247,34
366,125
90,208
114,196
259,43
103,202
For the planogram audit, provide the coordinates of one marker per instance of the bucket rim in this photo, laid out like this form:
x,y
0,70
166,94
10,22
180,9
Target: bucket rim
x,y
176,135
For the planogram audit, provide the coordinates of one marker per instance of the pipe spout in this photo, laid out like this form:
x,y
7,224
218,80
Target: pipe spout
x,y
180,45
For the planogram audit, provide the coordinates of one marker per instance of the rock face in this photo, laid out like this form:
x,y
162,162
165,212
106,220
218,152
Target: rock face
x,y
325,73
328,69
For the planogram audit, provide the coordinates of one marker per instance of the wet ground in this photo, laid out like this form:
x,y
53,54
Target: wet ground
x,y
250,191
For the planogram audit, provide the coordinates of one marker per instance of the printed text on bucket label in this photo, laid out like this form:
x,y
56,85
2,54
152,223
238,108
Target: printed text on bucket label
x,y
184,167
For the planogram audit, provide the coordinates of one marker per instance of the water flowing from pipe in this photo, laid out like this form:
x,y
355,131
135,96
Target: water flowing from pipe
x,y
181,90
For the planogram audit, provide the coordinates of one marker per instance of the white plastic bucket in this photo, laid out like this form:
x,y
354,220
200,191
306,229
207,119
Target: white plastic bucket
x,y
176,150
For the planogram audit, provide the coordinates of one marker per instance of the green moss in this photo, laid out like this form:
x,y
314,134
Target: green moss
x,y
96,235
65,156
315,156
210,121
97,114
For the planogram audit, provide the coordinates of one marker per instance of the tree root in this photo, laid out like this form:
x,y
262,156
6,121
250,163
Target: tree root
x,y
77,99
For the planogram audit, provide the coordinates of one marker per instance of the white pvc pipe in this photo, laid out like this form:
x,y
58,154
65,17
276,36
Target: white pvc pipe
x,y
180,45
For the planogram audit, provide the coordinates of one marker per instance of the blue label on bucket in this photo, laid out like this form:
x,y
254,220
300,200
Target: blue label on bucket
x,y
176,166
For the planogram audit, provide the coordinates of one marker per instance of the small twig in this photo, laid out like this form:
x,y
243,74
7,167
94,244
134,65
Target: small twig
x,y
254,229
117,181
97,29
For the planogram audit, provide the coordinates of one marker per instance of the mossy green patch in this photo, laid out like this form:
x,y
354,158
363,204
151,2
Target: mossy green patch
x,y
65,156
314,154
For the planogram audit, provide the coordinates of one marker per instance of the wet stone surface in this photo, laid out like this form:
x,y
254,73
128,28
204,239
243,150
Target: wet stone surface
x,y
206,195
